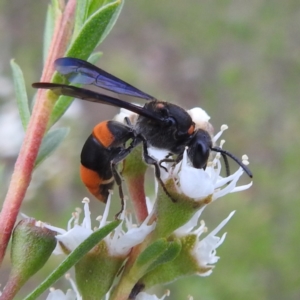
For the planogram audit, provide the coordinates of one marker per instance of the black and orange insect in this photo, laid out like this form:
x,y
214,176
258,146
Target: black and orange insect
x,y
160,124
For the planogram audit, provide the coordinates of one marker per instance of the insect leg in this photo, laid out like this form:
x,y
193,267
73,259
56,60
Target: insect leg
x,y
151,161
170,160
121,156
118,181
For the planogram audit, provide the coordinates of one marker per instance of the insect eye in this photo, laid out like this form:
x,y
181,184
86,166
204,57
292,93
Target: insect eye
x,y
171,121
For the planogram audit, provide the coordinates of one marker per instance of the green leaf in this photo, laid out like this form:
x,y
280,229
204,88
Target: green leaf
x,y
21,94
62,104
94,57
50,142
82,8
94,29
54,10
151,253
112,22
73,258
96,4
92,33
168,255
147,258
182,264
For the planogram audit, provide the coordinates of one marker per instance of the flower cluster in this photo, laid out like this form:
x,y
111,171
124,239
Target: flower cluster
x,y
171,242
118,244
128,245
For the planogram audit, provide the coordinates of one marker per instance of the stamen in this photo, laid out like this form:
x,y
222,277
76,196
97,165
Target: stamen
x,y
73,285
222,143
69,226
201,229
166,294
224,127
245,162
78,210
87,222
245,157
106,211
217,136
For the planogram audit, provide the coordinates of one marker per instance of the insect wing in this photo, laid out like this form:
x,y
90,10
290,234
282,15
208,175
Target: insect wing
x,y
87,95
82,72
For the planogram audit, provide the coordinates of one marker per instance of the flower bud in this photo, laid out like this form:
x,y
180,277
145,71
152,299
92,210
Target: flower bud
x,y
32,244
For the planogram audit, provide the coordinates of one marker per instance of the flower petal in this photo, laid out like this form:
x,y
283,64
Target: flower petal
x,y
72,238
195,183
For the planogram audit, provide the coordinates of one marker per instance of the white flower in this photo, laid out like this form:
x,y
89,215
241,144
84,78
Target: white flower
x,y
75,233
72,294
199,183
119,242
195,183
204,251
145,296
60,295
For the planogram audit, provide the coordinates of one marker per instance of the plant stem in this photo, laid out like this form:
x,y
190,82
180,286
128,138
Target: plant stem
x,y
136,191
36,129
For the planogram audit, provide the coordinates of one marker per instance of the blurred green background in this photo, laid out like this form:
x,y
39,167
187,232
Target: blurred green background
x,y
240,61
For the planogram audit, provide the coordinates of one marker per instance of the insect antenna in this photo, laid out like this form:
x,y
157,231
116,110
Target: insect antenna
x,y
224,154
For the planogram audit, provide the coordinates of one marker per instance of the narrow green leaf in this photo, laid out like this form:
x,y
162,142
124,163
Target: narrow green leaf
x,y
168,255
96,4
81,15
52,13
112,22
93,31
73,258
21,94
151,253
94,57
62,104
48,31
50,142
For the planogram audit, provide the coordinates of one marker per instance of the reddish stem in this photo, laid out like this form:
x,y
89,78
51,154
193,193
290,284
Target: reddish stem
x,y
135,186
11,288
36,128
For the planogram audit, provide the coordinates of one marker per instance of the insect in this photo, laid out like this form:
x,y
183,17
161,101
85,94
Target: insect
x,y
160,124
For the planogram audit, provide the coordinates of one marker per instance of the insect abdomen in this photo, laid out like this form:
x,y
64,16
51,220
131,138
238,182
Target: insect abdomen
x,y
95,169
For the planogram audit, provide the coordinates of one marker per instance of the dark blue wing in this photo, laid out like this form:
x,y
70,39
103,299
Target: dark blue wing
x,y
83,72
88,95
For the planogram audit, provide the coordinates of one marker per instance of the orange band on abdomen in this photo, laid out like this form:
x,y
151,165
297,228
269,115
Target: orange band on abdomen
x,y
103,134
95,184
